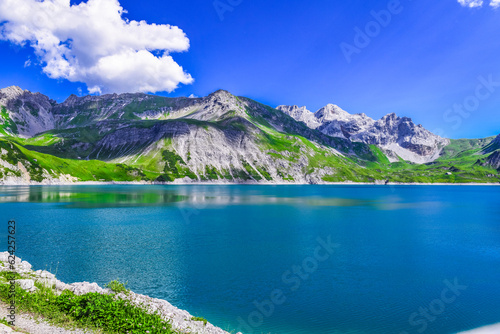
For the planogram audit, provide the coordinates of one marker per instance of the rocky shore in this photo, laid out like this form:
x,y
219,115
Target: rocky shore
x,y
180,320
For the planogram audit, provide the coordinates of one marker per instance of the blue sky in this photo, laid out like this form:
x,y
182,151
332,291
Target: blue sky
x,y
431,56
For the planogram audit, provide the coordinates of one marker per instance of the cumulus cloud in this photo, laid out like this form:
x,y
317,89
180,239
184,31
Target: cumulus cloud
x,y
92,43
471,3
478,3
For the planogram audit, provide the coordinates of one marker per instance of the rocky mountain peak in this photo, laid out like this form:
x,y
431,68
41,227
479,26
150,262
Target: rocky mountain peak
x,y
10,93
398,136
294,111
220,94
217,106
30,111
221,98
331,112
301,114
71,100
389,118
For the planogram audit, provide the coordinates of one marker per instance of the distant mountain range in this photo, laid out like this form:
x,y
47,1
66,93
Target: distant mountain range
x,y
223,138
397,137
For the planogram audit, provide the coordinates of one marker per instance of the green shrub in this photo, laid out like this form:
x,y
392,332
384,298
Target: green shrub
x,y
117,286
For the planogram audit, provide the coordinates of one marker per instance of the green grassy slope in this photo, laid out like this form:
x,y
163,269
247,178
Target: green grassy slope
x,y
7,125
461,162
37,164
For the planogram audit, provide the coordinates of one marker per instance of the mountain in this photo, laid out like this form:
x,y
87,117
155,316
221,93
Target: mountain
x,y
495,144
32,112
494,160
144,137
397,137
220,137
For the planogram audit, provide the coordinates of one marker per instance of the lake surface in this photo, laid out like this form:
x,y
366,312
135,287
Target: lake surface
x,y
277,259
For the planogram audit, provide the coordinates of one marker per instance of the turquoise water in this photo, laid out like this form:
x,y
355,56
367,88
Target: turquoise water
x,y
224,252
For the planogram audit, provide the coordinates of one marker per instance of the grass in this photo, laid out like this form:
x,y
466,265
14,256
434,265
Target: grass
x,y
7,124
464,147
251,171
380,157
211,173
46,139
108,313
175,167
200,319
151,161
463,168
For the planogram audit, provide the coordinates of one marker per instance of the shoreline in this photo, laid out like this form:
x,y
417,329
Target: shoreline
x,y
180,320
214,183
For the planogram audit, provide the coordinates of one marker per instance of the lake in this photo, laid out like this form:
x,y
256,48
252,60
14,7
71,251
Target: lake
x,y
277,259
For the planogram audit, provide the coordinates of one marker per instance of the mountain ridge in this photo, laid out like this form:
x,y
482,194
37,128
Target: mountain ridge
x,y
136,136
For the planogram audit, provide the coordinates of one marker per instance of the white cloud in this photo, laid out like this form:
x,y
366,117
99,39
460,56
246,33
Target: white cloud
x,y
92,43
471,3
478,3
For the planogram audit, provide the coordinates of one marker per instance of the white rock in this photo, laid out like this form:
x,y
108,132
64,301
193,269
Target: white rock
x,y
4,257
82,288
26,284
4,329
